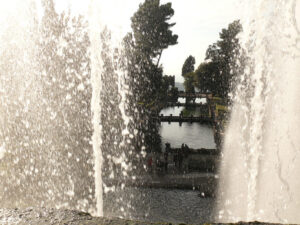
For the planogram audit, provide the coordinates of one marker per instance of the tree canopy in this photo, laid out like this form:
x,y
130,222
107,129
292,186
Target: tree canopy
x,y
151,34
189,82
187,72
151,28
217,74
189,65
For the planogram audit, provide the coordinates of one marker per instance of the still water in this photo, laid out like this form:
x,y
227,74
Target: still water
x,y
197,100
195,135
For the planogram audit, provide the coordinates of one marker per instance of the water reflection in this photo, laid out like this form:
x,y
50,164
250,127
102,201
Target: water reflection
x,y
175,111
195,135
197,100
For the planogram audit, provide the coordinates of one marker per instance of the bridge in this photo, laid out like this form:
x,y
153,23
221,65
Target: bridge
x,y
191,151
172,104
182,119
183,94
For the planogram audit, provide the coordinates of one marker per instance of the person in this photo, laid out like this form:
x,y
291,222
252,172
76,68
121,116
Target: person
x,y
180,160
166,154
166,161
186,150
175,159
168,147
150,164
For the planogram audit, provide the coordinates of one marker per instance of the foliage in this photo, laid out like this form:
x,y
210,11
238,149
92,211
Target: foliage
x,y
151,35
188,66
187,72
151,29
207,78
170,80
173,94
189,82
167,91
144,81
218,73
142,52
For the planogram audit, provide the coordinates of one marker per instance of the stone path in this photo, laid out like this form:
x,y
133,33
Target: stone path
x,y
204,182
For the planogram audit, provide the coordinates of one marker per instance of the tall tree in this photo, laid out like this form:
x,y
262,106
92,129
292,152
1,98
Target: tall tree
x,y
188,66
151,34
187,72
217,75
207,78
151,28
189,82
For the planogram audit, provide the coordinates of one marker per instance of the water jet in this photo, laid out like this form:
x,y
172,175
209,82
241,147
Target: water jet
x,y
261,149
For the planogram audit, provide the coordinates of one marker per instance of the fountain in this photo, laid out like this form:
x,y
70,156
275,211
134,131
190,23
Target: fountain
x,y
70,127
64,107
261,156
46,129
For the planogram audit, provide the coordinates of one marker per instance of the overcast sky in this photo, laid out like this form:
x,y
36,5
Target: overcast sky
x,y
198,23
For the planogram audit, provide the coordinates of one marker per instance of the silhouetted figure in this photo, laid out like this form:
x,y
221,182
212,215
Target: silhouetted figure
x,y
166,154
180,157
166,161
175,159
150,164
168,147
186,151
180,160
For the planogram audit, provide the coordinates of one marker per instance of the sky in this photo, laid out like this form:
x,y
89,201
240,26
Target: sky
x,y
198,23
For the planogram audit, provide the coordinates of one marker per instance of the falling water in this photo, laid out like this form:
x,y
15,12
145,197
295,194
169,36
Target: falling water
x,y
45,136
107,76
95,103
261,157
64,106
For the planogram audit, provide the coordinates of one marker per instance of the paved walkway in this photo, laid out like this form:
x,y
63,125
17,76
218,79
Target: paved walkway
x,y
204,182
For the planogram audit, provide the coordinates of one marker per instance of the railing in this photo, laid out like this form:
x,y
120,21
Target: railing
x,y
200,151
170,104
193,95
180,119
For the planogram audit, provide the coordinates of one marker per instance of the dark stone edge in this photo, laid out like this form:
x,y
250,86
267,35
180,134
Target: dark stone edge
x,y
46,216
